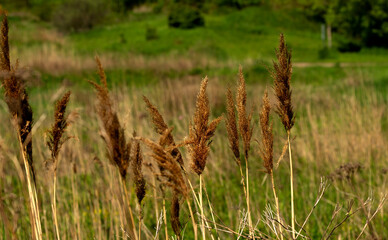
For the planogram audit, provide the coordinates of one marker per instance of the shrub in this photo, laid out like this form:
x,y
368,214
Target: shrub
x,y
349,45
75,15
185,16
151,33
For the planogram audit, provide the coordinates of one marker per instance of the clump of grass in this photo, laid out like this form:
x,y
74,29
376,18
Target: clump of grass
x,y
281,73
54,143
16,98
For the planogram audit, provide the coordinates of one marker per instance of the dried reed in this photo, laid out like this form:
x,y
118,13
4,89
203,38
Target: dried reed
x,y
160,127
244,125
266,149
281,73
54,143
114,137
118,149
201,131
140,183
17,100
231,126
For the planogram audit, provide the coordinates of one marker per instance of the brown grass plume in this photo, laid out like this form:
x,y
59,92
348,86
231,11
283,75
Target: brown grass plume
x,y
244,120
281,73
171,171
266,149
16,95
160,128
201,131
118,149
231,126
55,134
137,164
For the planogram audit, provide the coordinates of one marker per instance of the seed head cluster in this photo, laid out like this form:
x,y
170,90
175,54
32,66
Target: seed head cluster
x,y
266,148
244,119
15,95
55,134
281,73
201,131
118,149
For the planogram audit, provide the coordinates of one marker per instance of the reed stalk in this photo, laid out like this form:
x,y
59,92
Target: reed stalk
x,y
291,187
281,73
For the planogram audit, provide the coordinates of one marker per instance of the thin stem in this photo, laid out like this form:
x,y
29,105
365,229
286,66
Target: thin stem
x,y
201,207
292,188
251,232
192,220
131,220
32,194
55,205
155,201
165,218
277,205
140,219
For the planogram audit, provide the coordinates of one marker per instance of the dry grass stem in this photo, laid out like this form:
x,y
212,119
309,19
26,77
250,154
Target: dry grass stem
x,y
281,73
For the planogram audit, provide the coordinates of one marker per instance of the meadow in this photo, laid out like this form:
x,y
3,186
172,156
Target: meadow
x,y
339,139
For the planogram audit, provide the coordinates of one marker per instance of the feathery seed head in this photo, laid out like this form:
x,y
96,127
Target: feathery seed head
x,y
231,126
266,148
160,128
281,73
171,170
137,164
118,149
15,94
244,120
55,134
5,64
200,131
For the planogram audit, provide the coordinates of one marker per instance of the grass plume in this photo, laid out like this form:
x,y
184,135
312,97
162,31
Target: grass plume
x,y
54,143
266,149
160,128
231,126
244,120
118,149
201,131
281,73
16,98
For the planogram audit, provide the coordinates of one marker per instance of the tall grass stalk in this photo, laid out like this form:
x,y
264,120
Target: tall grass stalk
x,y
281,73
291,186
